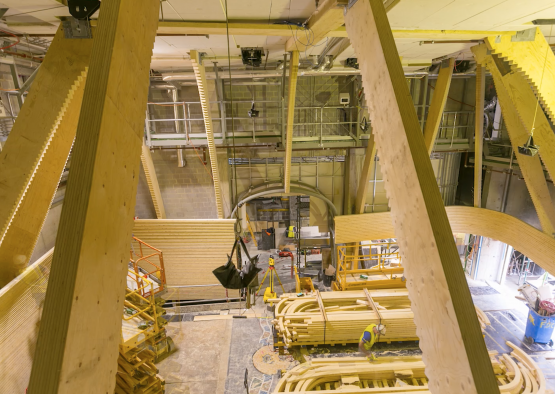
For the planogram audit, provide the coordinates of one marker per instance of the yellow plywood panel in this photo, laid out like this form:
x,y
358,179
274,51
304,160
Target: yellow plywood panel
x,y
192,250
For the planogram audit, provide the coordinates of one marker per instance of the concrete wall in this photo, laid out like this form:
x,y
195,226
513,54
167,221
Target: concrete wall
x,y
188,192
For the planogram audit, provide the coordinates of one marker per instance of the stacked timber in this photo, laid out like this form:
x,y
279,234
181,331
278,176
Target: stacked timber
x,y
341,317
137,374
516,373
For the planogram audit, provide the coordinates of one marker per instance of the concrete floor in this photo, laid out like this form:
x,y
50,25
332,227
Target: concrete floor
x,y
209,361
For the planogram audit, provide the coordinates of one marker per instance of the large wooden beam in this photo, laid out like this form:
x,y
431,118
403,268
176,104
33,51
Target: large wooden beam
x,y
479,133
262,28
450,336
200,74
535,244
525,102
327,17
58,77
152,181
80,331
292,94
22,234
530,167
365,175
530,54
439,98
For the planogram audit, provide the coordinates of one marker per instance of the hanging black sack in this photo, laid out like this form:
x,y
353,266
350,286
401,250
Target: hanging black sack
x,y
230,277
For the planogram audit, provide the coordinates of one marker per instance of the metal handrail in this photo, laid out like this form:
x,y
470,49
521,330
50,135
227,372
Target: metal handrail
x,y
157,270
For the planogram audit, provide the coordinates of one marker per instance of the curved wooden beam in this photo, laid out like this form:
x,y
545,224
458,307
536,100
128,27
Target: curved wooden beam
x,y
535,244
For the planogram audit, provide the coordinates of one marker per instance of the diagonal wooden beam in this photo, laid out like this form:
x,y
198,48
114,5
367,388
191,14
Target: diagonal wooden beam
x,y
22,235
200,74
292,94
327,17
529,52
456,357
58,77
531,116
530,167
78,342
152,181
439,98
365,175
479,133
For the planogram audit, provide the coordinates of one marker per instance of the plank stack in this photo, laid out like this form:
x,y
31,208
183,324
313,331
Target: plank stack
x,y
515,373
137,374
341,317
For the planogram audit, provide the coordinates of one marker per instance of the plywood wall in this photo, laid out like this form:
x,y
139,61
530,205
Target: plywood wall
x,y
192,249
21,304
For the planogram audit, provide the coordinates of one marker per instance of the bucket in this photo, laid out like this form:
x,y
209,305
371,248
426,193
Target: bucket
x,y
539,328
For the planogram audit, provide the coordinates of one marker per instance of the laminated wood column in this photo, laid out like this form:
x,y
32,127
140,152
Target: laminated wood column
x,y
528,51
439,98
524,100
365,175
22,234
80,331
57,80
450,336
152,181
530,167
292,94
479,133
200,74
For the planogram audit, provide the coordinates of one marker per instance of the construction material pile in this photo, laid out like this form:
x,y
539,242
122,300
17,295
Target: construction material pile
x,y
515,373
340,317
138,374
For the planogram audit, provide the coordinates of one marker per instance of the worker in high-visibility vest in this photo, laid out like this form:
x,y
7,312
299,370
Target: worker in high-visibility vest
x,y
368,338
291,232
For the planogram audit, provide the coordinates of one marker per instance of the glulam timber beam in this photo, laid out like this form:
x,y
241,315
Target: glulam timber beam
x,y
531,167
530,241
200,74
57,80
292,94
262,28
479,133
24,230
327,17
443,309
152,181
530,54
525,102
439,98
365,175
79,337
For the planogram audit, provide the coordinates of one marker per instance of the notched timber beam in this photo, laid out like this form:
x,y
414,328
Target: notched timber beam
x,y
293,72
152,181
439,98
200,74
59,76
22,234
79,337
530,167
443,309
529,53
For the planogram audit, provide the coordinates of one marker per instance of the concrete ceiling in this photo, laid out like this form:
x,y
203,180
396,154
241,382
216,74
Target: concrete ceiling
x,y
41,16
